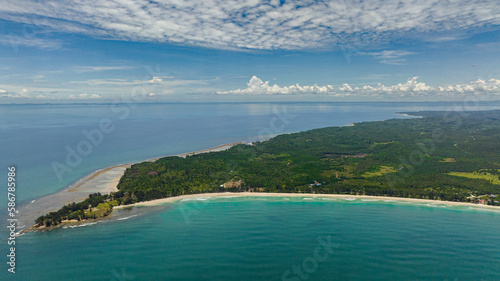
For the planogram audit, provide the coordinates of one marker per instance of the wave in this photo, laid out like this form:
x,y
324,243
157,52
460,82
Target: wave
x,y
194,199
431,205
82,225
126,218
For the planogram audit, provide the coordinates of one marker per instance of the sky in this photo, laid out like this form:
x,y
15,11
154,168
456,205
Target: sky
x,y
224,50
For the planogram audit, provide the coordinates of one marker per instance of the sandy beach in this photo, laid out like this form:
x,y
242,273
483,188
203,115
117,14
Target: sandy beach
x,y
309,195
103,181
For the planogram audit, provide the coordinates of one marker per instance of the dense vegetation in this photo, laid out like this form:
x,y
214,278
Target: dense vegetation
x,y
452,156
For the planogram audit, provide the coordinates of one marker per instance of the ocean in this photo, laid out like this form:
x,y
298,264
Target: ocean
x,y
54,145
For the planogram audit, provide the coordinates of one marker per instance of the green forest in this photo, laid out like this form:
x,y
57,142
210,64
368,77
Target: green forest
x,y
452,156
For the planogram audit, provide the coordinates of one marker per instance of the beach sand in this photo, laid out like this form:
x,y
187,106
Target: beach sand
x,y
309,195
103,181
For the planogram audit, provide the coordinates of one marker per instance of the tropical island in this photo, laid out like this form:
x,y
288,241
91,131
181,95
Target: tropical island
x,y
443,156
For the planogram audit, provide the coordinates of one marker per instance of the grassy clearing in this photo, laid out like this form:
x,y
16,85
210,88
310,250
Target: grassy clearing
x,y
477,175
101,210
383,143
344,171
448,160
380,172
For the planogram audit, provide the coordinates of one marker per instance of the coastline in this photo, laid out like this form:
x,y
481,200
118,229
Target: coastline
x,y
114,173
162,201
80,184
106,181
103,180
346,197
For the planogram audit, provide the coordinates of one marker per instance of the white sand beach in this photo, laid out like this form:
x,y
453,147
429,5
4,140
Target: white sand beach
x,y
308,195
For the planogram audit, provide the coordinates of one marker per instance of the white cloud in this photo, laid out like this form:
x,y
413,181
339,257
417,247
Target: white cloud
x,y
410,88
9,96
82,69
22,94
257,86
155,80
242,24
100,82
394,57
29,41
84,96
87,96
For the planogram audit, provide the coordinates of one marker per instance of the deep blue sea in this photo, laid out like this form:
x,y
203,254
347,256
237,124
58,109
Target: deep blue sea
x,y
226,238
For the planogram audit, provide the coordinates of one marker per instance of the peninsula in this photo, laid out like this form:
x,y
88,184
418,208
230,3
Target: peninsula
x,y
444,156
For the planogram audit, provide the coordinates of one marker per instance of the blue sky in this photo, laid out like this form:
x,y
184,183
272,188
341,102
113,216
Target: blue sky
x,y
216,50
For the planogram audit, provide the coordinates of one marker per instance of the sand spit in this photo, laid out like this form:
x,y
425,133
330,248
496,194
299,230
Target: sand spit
x,y
103,180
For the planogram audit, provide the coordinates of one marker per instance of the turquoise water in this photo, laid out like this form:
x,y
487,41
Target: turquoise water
x,y
227,239
262,238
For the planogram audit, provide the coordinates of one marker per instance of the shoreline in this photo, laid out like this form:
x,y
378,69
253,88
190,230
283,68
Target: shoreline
x,y
75,186
173,200
106,180
103,180
115,179
162,201
80,182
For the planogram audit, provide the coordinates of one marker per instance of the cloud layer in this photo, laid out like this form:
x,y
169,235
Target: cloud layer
x,y
253,24
154,85
159,86
29,41
411,88
22,94
395,57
